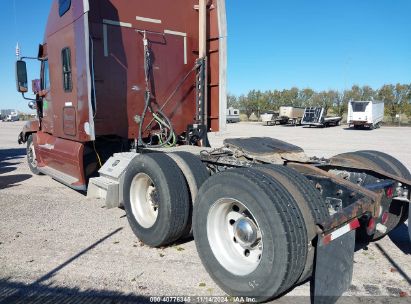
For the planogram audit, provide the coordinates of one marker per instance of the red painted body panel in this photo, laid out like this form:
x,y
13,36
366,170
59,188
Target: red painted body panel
x,y
31,126
119,69
106,46
60,154
118,62
62,32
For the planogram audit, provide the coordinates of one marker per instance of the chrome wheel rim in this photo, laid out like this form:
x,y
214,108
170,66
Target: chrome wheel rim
x,y
32,155
144,200
234,236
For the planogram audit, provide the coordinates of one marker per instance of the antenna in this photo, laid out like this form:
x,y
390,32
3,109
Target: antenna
x,y
18,51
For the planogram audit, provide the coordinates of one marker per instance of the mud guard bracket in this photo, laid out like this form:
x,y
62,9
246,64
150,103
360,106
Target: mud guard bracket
x,y
409,220
109,185
333,268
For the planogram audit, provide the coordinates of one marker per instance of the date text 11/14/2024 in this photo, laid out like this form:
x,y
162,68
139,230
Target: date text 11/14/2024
x,y
202,299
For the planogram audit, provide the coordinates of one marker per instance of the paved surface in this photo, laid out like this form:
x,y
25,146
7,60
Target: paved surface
x,y
54,240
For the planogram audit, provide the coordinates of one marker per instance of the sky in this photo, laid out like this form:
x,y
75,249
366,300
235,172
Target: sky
x,y
272,44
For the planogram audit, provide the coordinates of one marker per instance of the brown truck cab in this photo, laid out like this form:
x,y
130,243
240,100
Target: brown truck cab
x,y
99,60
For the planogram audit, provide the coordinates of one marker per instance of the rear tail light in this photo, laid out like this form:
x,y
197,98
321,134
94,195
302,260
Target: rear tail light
x,y
371,226
389,192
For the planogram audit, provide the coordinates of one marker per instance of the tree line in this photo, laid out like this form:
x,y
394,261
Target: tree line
x,y
397,99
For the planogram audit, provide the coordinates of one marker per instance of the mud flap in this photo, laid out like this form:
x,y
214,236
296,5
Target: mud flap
x,y
409,220
333,268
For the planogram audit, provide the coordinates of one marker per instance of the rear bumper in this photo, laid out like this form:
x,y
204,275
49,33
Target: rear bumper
x,y
353,201
359,122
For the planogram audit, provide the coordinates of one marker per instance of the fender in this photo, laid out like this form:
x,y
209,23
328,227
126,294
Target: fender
x,y
31,126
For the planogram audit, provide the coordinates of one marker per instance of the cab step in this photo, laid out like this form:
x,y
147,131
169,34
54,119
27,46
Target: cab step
x,y
63,178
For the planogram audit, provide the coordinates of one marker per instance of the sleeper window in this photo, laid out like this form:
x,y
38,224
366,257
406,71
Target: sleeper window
x,y
67,78
45,85
64,6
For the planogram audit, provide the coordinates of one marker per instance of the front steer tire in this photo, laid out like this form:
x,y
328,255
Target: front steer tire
x,y
31,156
156,199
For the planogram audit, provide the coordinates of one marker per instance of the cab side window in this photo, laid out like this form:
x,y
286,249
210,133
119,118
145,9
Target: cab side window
x,y
45,83
64,6
67,77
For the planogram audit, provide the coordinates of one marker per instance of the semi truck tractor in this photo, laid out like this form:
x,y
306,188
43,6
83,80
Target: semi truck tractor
x,y
129,91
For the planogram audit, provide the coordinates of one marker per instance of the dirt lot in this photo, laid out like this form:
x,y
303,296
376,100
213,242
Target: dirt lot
x,y
54,240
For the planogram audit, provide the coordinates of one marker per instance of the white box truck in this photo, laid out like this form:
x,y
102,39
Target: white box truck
x,y
365,113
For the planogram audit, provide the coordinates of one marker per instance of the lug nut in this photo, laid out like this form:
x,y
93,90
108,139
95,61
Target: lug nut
x,y
381,228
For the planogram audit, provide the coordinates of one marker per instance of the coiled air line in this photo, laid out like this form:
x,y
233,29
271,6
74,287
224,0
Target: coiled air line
x,y
159,117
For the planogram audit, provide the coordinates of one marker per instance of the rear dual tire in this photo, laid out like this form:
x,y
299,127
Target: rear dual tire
x,y
155,199
310,202
195,174
159,191
251,234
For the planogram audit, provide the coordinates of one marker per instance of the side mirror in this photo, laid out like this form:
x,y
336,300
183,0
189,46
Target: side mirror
x,y
21,77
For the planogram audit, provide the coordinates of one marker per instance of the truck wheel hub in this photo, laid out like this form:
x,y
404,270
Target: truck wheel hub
x,y
245,231
144,200
234,236
32,155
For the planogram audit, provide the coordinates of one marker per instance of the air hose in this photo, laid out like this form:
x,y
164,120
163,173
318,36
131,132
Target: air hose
x,y
159,117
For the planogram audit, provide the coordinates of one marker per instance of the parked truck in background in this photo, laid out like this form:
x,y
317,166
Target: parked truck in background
x,y
317,116
269,118
365,114
11,117
291,115
233,115
129,91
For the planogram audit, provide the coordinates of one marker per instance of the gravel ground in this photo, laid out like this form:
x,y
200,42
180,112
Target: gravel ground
x,y
54,240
